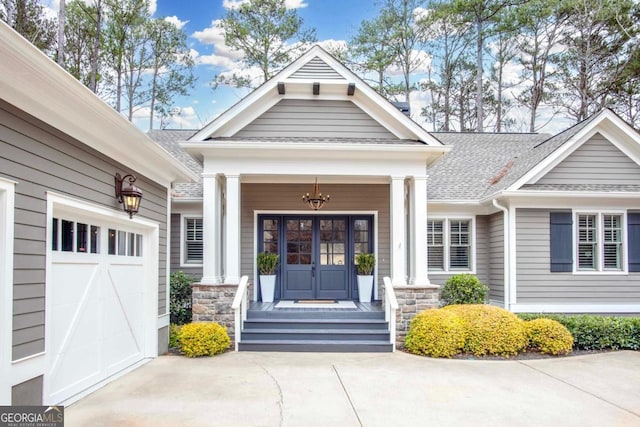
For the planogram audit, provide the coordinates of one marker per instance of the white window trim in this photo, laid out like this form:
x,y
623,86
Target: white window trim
x,y
447,231
599,213
7,205
183,240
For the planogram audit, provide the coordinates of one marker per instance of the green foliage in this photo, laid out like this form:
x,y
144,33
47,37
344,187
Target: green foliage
x,y
548,336
463,289
203,339
174,330
267,33
365,263
29,19
490,330
267,263
436,333
180,297
598,332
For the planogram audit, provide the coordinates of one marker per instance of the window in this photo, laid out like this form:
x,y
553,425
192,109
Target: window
x,y
449,245
599,242
86,240
193,252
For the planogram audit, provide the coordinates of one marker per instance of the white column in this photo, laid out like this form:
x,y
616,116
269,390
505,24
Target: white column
x,y
232,228
419,231
398,230
210,230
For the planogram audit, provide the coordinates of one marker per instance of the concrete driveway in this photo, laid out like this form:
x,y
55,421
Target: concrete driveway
x,y
393,389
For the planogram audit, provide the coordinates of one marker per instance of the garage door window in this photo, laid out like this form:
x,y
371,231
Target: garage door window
x,y
70,236
125,243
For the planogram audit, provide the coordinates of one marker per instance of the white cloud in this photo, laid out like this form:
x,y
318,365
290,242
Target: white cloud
x,y
153,6
223,56
176,21
419,57
289,4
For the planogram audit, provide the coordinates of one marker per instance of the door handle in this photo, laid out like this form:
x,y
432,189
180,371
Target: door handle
x,y
313,270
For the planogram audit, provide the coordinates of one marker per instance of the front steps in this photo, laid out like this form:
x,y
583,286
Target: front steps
x,y
315,331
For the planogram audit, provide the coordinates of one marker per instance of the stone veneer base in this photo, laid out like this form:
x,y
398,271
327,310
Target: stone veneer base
x,y
412,299
212,303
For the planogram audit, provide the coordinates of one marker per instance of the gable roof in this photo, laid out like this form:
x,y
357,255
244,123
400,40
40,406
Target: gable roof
x,y
315,66
32,82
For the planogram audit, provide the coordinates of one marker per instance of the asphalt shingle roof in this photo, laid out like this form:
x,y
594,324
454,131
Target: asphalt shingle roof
x,y
307,140
170,141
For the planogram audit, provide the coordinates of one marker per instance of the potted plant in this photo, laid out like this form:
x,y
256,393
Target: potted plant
x,y
365,263
267,264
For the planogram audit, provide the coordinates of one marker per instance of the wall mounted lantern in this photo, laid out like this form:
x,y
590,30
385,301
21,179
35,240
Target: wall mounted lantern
x,y
316,200
129,197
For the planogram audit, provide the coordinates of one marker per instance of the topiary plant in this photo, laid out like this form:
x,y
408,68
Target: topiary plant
x,y
267,263
463,289
180,297
490,329
203,339
365,263
435,333
548,336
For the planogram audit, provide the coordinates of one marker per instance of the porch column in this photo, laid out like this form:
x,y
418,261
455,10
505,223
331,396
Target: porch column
x,y
398,232
418,231
210,229
232,228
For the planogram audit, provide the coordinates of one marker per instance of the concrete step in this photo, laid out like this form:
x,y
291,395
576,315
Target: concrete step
x,y
316,346
315,335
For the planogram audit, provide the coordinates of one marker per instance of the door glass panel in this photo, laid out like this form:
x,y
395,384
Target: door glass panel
x,y
270,235
299,236
332,241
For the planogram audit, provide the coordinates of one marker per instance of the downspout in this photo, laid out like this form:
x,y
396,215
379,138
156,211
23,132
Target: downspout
x,y
507,254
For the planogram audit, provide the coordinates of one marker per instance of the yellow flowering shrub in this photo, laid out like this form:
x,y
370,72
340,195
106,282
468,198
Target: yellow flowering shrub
x,y
490,330
435,333
203,339
548,336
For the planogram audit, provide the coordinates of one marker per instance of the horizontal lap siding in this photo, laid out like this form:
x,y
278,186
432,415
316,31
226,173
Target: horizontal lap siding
x,y
288,197
536,284
482,255
496,257
176,242
597,161
315,119
42,159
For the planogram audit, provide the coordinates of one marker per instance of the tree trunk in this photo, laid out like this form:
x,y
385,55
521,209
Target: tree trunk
x,y
479,109
154,83
95,54
61,25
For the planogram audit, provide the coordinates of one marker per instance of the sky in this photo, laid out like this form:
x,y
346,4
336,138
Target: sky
x,y
335,21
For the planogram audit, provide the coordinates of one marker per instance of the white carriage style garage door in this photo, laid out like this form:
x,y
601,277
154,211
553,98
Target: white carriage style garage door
x,y
102,292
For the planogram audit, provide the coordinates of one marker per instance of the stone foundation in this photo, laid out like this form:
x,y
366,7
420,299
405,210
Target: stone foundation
x,y
212,303
411,301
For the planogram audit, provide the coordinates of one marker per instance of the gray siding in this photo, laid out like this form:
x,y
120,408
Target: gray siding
x,y
176,241
283,197
481,248
43,159
536,284
597,161
315,118
27,393
496,257
316,69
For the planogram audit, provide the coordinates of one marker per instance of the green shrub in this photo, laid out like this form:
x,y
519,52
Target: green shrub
x,y
267,263
180,298
490,330
463,289
365,263
435,333
174,330
592,332
548,336
203,339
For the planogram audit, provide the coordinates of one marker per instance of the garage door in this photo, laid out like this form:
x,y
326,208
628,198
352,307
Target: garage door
x,y
96,323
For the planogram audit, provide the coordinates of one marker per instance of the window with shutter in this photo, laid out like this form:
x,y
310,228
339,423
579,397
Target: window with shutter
x,y
193,241
460,245
600,242
449,244
435,245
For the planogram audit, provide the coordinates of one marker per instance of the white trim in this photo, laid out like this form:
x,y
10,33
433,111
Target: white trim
x,y
446,219
7,211
27,368
511,232
257,213
575,308
183,240
599,213
77,209
163,320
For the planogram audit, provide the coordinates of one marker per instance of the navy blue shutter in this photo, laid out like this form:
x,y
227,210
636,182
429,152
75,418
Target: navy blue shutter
x,y
561,241
633,221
